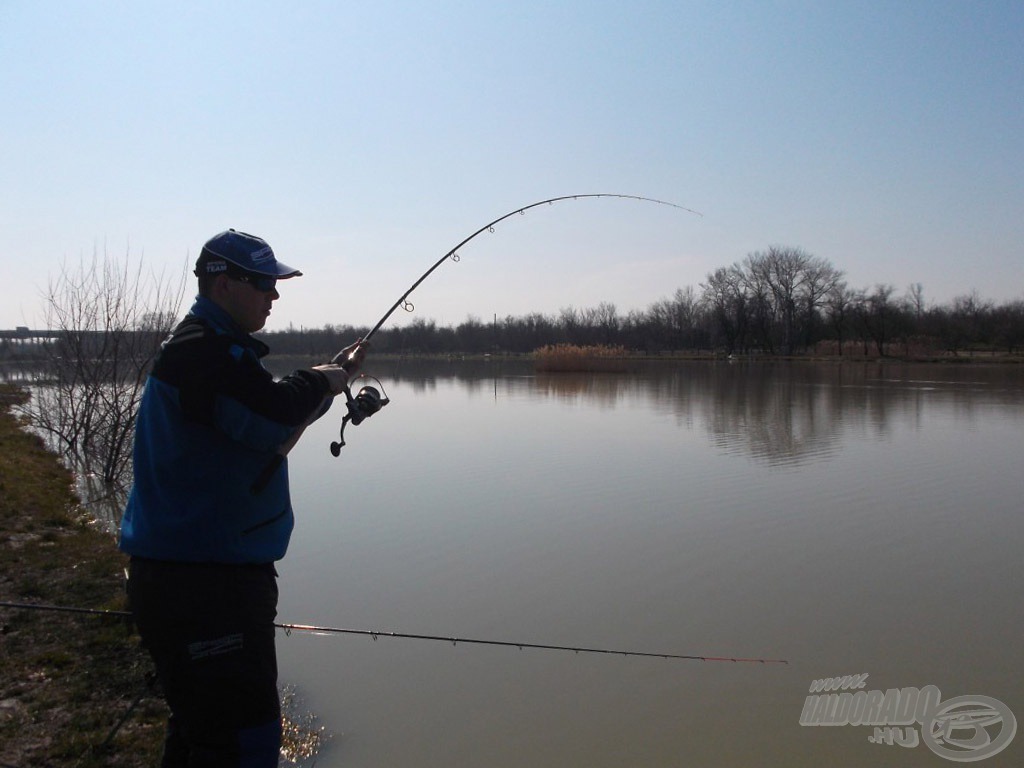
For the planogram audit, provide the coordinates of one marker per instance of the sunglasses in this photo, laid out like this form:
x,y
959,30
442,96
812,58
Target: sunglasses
x,y
262,284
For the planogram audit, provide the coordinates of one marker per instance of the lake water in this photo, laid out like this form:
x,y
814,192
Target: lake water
x,y
852,519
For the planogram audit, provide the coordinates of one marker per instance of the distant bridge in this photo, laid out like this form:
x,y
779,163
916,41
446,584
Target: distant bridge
x,y
25,334
32,342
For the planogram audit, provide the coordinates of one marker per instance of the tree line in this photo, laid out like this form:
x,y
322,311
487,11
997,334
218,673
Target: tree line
x,y
781,301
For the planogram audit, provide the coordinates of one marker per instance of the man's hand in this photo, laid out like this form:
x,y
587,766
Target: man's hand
x,y
337,377
341,370
351,357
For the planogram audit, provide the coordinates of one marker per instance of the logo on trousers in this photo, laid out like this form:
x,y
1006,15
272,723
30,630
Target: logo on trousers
x,y
962,729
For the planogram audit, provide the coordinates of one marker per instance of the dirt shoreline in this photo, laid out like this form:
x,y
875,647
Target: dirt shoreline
x,y
74,689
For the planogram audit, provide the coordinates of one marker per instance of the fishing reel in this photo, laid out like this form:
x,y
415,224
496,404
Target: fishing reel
x,y
366,402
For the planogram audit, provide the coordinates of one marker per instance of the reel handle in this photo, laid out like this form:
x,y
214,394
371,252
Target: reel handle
x,y
366,402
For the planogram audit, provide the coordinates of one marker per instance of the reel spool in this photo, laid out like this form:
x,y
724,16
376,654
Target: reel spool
x,y
366,402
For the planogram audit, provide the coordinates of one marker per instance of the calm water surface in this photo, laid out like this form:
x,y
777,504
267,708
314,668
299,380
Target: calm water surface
x,y
851,519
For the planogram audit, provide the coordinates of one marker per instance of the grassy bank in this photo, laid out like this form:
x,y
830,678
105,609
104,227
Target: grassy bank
x,y
66,681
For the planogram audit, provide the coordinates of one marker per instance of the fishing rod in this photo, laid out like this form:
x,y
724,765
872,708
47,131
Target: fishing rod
x,y
369,400
489,227
375,633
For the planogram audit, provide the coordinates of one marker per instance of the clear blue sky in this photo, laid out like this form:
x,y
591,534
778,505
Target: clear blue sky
x,y
363,140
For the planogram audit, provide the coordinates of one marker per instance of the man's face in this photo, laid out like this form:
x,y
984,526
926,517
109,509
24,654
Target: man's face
x,y
248,301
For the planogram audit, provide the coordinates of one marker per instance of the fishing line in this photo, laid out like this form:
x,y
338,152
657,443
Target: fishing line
x,y
453,254
370,399
376,633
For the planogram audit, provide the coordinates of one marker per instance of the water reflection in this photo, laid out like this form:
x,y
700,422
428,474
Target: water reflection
x,y
782,414
849,518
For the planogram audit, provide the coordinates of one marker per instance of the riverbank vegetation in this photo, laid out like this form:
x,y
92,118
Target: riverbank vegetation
x,y
73,688
571,358
77,690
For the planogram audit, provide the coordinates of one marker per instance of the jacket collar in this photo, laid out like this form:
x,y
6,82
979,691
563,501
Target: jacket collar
x,y
217,318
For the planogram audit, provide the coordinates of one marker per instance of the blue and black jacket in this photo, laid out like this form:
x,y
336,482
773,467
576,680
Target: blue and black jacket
x,y
211,419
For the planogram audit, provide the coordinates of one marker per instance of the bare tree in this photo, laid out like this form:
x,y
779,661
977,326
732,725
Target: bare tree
x,y
915,299
785,272
727,303
606,319
109,317
754,275
787,288
820,281
1009,325
839,304
970,321
679,316
880,316
570,320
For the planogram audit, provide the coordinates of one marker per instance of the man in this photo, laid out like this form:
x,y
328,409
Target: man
x,y
202,533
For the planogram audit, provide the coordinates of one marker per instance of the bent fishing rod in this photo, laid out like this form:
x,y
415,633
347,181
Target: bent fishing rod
x,y
376,633
371,399
453,254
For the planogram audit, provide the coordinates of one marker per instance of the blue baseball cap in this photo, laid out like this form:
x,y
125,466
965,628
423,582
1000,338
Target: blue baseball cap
x,y
234,251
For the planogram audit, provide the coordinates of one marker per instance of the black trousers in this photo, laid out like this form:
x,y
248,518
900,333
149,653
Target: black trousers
x,y
210,631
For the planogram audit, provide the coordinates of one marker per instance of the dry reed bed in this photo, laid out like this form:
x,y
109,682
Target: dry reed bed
x,y
572,358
